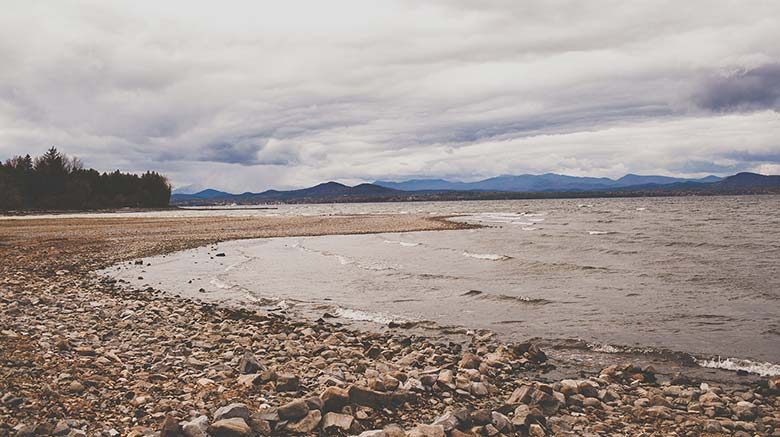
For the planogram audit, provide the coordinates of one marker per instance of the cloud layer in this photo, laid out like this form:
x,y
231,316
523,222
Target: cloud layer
x,y
251,95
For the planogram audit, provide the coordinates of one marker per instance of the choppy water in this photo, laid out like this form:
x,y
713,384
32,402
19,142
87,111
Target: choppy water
x,y
697,275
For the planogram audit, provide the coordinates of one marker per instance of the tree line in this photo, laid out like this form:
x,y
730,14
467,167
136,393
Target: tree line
x,y
55,181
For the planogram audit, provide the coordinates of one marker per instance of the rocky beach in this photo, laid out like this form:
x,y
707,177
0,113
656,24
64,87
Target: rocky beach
x,y
81,354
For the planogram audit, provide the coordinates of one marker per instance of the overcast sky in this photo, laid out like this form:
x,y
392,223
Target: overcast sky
x,y
251,95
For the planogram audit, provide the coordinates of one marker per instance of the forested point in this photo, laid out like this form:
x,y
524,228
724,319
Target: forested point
x,y
55,181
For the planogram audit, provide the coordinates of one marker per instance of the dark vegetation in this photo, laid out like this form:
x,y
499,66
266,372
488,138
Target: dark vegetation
x,y
55,181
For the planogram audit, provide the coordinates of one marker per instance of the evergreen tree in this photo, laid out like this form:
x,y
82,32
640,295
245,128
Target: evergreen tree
x,y
56,181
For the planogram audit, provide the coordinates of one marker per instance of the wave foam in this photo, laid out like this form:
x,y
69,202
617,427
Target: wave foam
x,y
487,256
365,316
219,284
735,364
402,243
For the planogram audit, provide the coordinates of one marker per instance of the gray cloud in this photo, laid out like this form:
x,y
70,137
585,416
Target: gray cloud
x,y
753,89
256,95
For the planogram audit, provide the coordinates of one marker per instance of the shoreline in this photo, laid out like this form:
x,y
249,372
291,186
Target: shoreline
x,y
79,347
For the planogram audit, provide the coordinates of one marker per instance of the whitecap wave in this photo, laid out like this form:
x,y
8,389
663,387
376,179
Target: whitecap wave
x,y
735,364
529,229
598,232
504,218
219,284
365,316
402,243
605,348
487,256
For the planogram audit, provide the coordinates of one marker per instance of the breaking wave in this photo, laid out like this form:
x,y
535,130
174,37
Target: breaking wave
x,y
736,364
487,256
366,316
402,243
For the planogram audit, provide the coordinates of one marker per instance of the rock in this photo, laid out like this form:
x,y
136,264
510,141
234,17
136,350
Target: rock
x,y
521,395
592,403
197,427
233,427
445,378
61,428
479,389
746,410
170,427
659,412
530,351
314,403
336,421
231,411
588,389
250,380
548,403
24,430
367,398
427,431
307,424
501,422
569,387
535,430
713,426
76,387
481,417
294,410
448,421
334,399
249,364
469,361
286,383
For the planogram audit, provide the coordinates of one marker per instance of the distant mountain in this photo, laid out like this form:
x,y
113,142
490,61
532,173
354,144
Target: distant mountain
x,y
537,183
544,186
325,192
751,180
205,194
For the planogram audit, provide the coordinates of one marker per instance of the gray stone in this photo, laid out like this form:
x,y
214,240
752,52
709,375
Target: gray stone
x,y
233,410
197,427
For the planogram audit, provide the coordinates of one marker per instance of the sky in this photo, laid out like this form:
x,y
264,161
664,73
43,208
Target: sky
x,y
245,96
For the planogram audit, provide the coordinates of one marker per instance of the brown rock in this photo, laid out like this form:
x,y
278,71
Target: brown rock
x,y
334,399
307,424
294,410
234,427
285,383
336,421
249,364
367,398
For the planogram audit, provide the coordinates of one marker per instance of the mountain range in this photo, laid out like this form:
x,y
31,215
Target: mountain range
x,y
529,183
502,187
